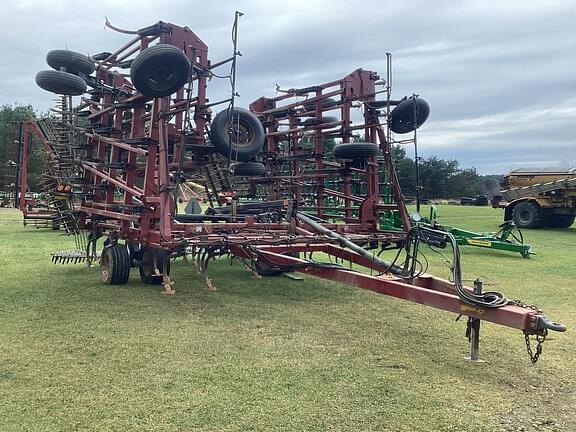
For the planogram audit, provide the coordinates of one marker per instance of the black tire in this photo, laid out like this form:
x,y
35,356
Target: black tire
x,y
325,103
115,264
359,150
101,56
237,134
280,114
135,251
60,82
200,149
70,61
313,121
527,214
560,221
146,268
248,169
160,70
409,115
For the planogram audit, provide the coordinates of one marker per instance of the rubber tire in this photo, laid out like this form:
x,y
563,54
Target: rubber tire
x,y
146,269
248,169
313,121
326,103
115,264
527,214
200,149
402,119
135,251
359,150
252,138
560,221
101,56
60,82
160,70
73,62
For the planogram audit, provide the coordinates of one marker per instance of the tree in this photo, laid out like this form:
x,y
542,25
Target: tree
x,y
467,182
405,170
10,116
435,177
440,178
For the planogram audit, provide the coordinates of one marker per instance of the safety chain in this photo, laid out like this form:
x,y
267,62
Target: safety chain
x,y
521,304
540,334
540,337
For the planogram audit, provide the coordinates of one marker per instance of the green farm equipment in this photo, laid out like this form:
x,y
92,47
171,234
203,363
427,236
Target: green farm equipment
x,y
508,238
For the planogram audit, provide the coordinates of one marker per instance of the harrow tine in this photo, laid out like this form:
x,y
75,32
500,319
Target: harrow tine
x,y
69,257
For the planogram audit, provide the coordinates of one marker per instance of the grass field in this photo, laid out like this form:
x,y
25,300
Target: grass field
x,y
275,354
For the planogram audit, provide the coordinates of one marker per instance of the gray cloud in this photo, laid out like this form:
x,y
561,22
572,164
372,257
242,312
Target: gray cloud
x,y
500,76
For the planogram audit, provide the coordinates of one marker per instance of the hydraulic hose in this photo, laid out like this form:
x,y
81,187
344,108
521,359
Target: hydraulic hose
x,y
384,266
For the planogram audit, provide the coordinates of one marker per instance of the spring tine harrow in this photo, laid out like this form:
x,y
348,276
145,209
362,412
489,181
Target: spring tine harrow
x,y
74,256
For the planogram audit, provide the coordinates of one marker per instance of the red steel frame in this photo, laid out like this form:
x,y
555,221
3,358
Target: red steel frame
x,y
156,224
335,98
425,289
29,131
134,146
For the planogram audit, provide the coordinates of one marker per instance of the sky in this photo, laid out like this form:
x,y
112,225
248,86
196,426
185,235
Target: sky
x,y
500,76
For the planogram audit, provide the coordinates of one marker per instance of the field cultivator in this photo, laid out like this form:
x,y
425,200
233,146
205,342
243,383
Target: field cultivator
x,y
309,170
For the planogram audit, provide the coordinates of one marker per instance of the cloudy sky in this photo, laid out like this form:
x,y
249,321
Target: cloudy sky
x,y
500,76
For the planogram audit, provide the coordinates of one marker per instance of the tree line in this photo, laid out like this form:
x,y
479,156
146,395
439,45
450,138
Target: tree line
x,y
10,118
441,178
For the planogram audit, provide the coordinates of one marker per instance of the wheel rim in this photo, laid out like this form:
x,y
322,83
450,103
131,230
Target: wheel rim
x,y
161,78
105,267
525,216
240,132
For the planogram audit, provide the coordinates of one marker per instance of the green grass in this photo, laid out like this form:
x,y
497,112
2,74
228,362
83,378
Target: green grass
x,y
275,354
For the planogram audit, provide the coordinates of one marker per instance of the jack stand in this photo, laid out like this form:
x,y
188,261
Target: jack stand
x,y
473,330
210,284
253,272
167,281
168,284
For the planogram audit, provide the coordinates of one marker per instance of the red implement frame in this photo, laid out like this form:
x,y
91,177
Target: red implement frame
x,y
135,150
33,215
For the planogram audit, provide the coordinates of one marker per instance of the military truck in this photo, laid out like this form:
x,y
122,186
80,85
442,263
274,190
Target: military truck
x,y
536,198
